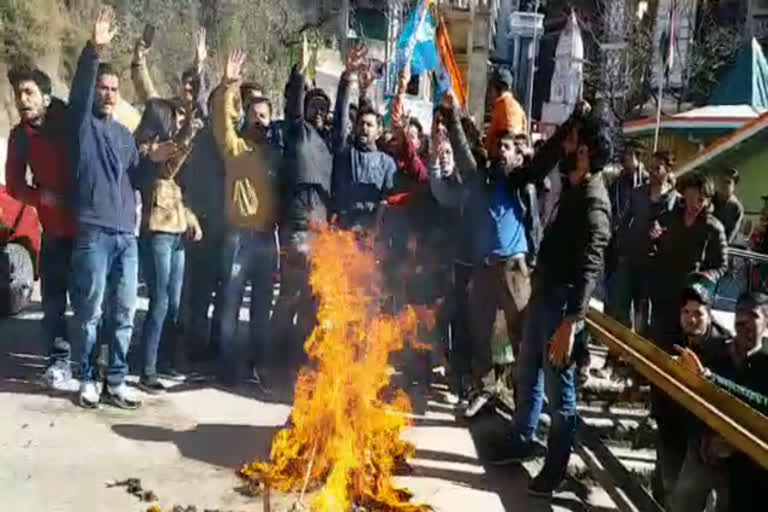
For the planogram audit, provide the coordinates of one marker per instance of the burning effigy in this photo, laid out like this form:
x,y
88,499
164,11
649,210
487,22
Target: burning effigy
x,y
344,438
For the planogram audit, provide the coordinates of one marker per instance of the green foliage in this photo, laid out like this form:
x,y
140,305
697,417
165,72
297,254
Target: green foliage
x,y
715,48
30,28
267,29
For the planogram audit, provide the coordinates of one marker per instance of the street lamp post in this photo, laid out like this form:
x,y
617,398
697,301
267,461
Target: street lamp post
x,y
531,74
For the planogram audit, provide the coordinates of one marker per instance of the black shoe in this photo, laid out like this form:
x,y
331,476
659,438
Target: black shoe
x,y
262,381
511,450
119,397
173,374
542,487
151,385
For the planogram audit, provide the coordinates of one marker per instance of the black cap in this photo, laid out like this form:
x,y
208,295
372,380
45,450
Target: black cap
x,y
699,288
503,77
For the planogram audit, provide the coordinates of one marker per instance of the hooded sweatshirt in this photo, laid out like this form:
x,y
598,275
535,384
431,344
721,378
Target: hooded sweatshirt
x,y
363,176
104,156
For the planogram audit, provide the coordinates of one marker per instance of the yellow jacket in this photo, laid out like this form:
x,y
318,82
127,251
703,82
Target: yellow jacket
x,y
250,170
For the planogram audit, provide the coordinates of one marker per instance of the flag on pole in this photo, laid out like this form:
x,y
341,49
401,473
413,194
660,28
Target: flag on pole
x,y
448,75
668,43
417,42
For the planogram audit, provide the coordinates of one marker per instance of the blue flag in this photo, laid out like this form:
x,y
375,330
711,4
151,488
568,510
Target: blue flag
x,y
419,32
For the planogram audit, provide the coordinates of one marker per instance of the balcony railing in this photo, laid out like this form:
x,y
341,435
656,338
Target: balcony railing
x,y
464,4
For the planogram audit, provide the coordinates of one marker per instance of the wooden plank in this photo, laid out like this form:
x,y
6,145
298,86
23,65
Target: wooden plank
x,y
739,424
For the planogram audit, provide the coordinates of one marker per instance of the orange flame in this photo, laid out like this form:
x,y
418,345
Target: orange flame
x,y
344,433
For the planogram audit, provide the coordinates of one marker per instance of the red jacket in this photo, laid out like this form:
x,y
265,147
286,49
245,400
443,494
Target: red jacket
x,y
45,150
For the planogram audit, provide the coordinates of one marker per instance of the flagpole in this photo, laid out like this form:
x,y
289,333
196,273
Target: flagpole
x,y
658,109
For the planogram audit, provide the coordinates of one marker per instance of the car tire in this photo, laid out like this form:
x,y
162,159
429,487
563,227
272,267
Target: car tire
x,y
17,279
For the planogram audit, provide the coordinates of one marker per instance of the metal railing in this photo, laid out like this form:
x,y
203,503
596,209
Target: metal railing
x,y
739,424
747,271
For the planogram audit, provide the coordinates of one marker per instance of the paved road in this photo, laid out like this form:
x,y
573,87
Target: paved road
x,y
186,444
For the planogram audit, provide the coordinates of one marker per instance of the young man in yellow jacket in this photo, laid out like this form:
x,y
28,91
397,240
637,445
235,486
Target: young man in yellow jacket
x,y
250,196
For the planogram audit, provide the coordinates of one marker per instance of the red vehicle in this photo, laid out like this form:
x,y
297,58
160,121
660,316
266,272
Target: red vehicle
x,y
20,241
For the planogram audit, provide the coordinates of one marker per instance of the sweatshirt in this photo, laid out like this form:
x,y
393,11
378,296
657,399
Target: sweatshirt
x,y
104,156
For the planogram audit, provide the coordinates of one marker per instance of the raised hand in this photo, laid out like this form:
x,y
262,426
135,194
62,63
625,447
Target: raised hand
x,y
304,54
356,58
104,29
233,69
160,152
403,79
201,49
140,51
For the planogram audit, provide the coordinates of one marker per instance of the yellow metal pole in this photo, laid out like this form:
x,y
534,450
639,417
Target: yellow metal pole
x,y
739,424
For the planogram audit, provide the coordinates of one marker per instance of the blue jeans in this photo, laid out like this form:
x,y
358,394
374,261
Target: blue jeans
x,y
248,256
55,271
163,257
105,266
545,312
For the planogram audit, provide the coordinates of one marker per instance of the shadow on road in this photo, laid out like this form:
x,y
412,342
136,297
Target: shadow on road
x,y
227,446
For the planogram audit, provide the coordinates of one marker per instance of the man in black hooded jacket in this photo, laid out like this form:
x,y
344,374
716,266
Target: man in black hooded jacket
x,y
306,192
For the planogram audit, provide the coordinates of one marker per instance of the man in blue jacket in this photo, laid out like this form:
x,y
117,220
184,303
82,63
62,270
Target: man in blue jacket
x,y
105,256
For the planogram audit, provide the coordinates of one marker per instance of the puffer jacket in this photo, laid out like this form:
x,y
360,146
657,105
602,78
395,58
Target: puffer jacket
x,y
682,250
250,183
305,178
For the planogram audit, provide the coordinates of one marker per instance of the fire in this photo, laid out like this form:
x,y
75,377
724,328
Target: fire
x,y
345,433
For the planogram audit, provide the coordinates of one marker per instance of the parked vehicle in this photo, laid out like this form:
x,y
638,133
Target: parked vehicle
x,y
20,241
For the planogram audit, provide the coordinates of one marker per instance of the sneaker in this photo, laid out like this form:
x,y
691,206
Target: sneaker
x,y
478,403
151,385
542,487
511,450
119,397
261,381
89,395
173,374
58,376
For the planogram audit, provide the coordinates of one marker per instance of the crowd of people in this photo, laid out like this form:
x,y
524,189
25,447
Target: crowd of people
x,y
212,192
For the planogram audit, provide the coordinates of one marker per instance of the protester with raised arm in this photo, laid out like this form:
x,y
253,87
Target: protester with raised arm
x,y
363,176
194,86
305,200
569,263
105,258
251,205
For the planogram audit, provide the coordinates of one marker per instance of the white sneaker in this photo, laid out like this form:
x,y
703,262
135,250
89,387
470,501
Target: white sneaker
x,y
89,395
120,397
478,404
58,376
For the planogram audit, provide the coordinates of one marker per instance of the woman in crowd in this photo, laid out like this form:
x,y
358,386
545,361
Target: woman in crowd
x,y
164,137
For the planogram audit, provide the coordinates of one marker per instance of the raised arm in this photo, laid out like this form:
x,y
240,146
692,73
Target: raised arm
x,y
142,80
225,112
204,79
295,94
548,156
466,165
341,122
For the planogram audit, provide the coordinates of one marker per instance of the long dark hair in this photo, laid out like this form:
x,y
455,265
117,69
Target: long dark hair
x,y
157,122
